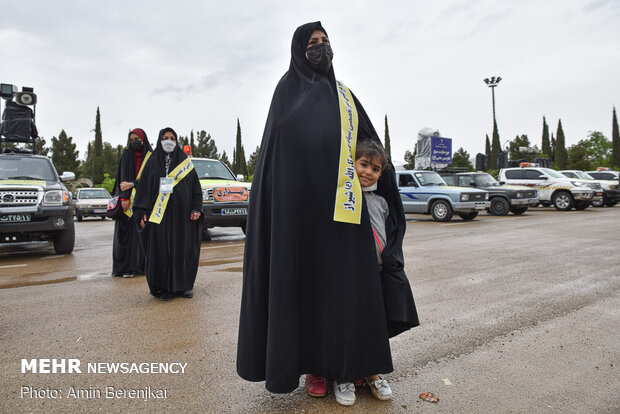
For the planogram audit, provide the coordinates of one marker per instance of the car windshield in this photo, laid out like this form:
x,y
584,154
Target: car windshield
x,y
552,173
485,180
429,178
94,193
583,176
214,170
26,168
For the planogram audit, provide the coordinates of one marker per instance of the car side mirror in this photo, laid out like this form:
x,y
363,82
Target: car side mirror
x,y
67,176
240,177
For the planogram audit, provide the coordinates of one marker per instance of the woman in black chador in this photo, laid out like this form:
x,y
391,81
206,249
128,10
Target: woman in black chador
x,y
313,300
167,208
127,250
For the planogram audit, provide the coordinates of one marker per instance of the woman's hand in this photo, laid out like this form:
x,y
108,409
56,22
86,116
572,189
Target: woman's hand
x,y
125,204
143,222
126,185
195,215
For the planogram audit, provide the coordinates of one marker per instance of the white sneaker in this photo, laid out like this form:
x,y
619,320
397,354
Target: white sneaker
x,y
380,389
345,393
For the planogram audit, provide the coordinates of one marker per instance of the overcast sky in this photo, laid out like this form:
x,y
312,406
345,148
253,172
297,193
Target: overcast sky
x,y
203,64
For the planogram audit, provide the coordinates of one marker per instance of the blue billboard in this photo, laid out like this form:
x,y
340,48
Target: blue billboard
x,y
441,150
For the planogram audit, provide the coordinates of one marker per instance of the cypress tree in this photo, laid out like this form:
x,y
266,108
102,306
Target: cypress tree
x,y
388,148
98,166
239,163
546,144
487,147
224,158
561,155
615,142
192,143
552,155
496,147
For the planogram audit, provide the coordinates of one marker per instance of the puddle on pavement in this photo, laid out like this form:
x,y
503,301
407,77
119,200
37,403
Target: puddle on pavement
x,y
23,283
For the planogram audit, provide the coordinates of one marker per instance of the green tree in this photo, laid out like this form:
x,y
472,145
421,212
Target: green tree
x,y
461,159
546,143
552,147
239,163
496,147
98,163
388,147
64,154
409,160
224,158
487,147
560,148
183,141
41,147
522,141
252,161
587,154
615,139
205,146
111,157
108,183
192,143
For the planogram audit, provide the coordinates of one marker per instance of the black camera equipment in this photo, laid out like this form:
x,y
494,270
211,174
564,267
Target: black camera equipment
x,y
18,119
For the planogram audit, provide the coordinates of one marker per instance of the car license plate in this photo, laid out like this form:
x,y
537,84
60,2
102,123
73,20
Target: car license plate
x,y
100,210
480,207
13,218
234,211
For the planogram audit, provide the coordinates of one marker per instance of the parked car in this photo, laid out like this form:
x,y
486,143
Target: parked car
x,y
604,174
35,205
91,202
504,198
553,188
611,189
425,192
225,198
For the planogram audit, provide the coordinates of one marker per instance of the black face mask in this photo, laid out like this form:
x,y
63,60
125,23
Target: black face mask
x,y
136,145
320,57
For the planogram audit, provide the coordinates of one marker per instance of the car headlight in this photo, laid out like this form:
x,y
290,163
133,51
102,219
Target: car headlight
x,y
55,197
464,197
486,196
577,183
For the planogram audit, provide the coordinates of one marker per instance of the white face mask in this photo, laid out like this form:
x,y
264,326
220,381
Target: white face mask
x,y
168,145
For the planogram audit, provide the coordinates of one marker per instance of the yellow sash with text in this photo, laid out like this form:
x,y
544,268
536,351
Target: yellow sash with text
x,y
348,207
177,175
129,211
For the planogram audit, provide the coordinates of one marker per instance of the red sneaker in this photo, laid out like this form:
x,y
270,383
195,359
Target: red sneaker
x,y
316,386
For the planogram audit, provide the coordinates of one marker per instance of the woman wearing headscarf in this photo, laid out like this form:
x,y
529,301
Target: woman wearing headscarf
x,y
313,300
167,208
127,250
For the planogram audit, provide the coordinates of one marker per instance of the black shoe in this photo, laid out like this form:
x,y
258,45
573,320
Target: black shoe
x,y
155,293
165,297
187,294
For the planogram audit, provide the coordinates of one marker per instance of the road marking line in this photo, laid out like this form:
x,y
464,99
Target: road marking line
x,y
221,247
9,266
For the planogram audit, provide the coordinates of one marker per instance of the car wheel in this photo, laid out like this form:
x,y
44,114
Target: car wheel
x,y
441,211
600,203
499,206
65,239
581,205
517,211
243,226
468,216
563,201
78,217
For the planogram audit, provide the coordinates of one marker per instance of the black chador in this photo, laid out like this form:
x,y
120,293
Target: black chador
x,y
313,297
173,244
127,251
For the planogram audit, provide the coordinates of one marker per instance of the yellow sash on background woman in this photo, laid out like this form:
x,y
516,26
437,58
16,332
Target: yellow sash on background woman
x,y
129,211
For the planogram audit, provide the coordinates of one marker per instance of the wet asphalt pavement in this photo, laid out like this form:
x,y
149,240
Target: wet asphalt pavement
x,y
519,314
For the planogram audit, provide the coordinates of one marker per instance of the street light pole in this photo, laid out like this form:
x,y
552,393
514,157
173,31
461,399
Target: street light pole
x,y
492,83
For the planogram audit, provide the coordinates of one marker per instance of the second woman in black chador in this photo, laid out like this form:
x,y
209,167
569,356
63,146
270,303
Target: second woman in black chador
x,y
173,239
313,300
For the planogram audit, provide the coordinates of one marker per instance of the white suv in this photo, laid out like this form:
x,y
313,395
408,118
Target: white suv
x,y
553,187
